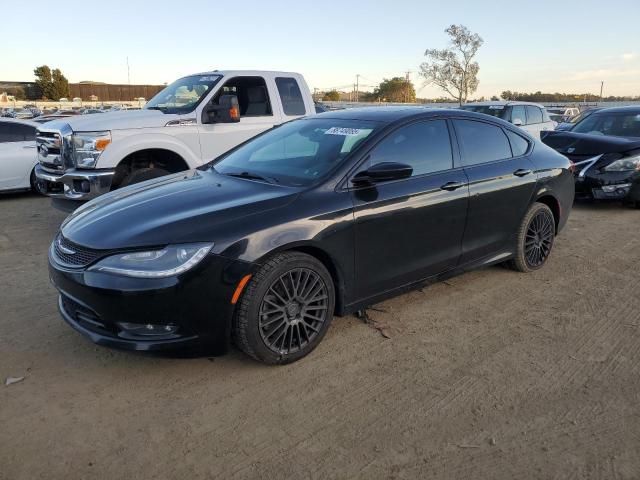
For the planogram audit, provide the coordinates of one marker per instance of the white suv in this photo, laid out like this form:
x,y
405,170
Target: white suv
x,y
529,116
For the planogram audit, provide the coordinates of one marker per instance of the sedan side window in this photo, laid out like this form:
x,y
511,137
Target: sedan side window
x,y
481,142
517,113
15,132
534,115
425,146
519,145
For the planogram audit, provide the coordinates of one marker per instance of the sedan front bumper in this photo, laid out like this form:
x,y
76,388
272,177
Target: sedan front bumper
x,y
74,184
190,313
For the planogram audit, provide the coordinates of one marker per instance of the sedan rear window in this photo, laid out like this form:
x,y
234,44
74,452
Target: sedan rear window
x,y
499,111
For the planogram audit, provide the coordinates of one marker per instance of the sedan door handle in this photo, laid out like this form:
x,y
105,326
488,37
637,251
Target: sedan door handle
x,y
450,186
522,172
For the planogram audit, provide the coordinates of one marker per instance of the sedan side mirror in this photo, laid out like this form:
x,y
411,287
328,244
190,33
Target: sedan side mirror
x,y
517,122
227,110
383,172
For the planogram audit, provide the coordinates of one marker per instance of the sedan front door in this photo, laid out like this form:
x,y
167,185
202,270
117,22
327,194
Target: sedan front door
x,y
407,230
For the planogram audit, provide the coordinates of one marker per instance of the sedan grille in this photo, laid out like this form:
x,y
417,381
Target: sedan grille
x,y
73,255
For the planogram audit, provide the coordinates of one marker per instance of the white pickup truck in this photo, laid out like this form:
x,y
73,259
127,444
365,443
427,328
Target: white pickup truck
x,y
190,122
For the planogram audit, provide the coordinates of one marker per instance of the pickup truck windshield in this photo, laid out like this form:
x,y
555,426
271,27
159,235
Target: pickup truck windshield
x,y
183,95
297,153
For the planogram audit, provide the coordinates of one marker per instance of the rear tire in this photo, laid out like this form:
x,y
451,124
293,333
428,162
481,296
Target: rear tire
x,y
285,310
535,240
142,175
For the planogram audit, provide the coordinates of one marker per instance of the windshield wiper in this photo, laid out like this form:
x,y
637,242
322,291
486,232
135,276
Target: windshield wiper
x,y
252,176
162,109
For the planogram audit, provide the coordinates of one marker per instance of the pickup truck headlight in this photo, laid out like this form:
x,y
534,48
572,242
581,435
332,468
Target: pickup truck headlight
x,y
626,164
166,262
88,146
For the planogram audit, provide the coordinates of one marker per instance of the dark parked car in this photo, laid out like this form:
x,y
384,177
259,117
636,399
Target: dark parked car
x,y
320,216
605,147
568,124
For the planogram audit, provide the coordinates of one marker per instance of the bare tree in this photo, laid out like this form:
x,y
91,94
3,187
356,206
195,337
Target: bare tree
x,y
453,69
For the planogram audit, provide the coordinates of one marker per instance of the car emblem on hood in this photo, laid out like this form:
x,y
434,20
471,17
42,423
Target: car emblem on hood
x,y
65,250
571,150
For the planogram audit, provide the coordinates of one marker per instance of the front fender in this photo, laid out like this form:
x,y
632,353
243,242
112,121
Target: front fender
x,y
131,142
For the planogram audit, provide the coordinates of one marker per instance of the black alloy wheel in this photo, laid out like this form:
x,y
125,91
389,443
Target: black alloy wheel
x,y
293,311
539,238
535,239
285,310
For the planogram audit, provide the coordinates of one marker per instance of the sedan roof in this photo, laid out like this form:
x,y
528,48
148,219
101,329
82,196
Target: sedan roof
x,y
384,114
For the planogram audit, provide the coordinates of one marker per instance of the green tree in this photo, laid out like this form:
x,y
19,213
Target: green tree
x,y
453,69
331,96
51,84
396,89
43,81
59,85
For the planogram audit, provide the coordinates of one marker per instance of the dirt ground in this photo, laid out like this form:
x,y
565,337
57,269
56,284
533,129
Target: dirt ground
x,y
491,375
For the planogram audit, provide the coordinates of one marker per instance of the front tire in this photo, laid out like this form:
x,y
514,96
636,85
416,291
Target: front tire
x,y
285,310
535,239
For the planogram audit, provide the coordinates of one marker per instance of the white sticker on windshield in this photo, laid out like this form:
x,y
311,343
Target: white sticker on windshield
x,y
345,132
496,107
209,78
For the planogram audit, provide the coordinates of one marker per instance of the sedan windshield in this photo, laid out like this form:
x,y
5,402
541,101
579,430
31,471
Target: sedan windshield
x,y
614,124
297,153
183,95
493,110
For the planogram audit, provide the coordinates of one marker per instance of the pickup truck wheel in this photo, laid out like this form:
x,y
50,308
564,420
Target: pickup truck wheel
x,y
285,310
143,174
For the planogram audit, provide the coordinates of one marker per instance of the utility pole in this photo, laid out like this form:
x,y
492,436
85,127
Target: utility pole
x,y
128,72
406,90
601,88
357,87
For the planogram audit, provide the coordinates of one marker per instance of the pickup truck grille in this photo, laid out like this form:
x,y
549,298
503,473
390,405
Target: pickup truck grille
x,y
49,146
71,254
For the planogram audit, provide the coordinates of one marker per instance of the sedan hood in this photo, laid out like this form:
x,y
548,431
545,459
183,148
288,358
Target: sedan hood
x,y
180,208
583,144
119,120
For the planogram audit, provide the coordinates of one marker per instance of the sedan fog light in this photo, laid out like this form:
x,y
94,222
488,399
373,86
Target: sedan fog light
x,y
147,329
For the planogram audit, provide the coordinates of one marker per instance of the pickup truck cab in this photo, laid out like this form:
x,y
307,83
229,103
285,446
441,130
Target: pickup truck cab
x,y
190,122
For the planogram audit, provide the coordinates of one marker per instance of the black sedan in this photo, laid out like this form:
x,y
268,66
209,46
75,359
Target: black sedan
x,y
605,147
320,216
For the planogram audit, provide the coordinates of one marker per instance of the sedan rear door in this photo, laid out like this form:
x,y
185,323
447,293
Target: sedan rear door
x,y
407,230
501,184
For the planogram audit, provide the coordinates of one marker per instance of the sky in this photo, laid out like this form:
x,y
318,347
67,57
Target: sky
x,y
560,45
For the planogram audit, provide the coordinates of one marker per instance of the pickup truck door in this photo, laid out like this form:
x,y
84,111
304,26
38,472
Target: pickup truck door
x,y
259,111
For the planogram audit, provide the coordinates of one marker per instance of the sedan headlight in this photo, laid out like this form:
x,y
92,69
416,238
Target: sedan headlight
x,y
169,261
624,164
88,146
